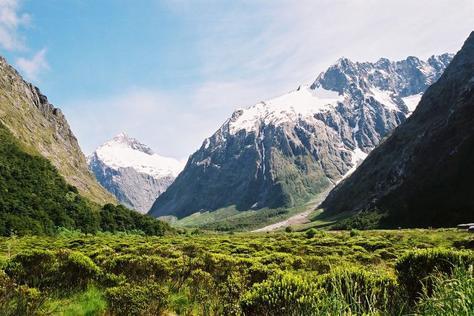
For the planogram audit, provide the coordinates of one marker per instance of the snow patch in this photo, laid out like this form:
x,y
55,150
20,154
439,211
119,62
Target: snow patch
x,y
357,157
412,101
125,152
384,97
302,103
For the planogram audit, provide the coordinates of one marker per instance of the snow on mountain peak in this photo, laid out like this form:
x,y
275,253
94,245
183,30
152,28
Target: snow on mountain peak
x,y
303,102
395,85
123,151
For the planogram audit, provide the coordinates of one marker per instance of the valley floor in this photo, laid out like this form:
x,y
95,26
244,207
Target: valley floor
x,y
232,274
263,220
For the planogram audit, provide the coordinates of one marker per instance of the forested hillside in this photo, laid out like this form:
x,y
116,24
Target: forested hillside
x,y
35,199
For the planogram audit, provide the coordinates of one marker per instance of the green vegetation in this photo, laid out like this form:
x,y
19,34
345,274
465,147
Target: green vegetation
x,y
35,199
285,273
231,219
451,294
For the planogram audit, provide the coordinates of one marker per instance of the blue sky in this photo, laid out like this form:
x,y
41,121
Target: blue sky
x,y
170,72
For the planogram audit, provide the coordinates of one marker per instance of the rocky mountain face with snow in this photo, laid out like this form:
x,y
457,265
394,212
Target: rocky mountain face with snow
x,y
285,151
132,172
43,130
422,174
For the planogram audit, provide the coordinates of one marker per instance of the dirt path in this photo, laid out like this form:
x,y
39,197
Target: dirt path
x,y
300,218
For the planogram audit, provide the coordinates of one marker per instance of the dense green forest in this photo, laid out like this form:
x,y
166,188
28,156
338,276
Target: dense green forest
x,y
35,199
402,272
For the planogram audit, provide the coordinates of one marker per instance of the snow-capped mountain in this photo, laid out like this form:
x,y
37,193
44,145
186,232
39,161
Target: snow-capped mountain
x,y
132,171
284,151
422,174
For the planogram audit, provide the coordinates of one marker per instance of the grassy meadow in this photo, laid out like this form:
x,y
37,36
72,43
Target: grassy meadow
x,y
379,272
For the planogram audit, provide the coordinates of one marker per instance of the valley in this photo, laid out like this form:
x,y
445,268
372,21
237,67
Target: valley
x,y
287,180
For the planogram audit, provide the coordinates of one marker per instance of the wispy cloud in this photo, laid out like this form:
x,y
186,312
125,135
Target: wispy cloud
x,y
254,50
11,19
288,42
32,67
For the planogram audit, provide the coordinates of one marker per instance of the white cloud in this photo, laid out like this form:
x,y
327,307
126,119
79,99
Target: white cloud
x,y
11,39
287,42
11,19
32,67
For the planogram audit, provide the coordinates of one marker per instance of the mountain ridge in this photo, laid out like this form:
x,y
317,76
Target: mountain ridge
x,y
421,174
43,129
284,151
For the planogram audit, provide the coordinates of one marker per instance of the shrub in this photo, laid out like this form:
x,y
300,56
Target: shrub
x,y
75,270
414,268
282,294
129,299
354,232
64,269
19,300
229,293
33,268
310,233
203,289
319,264
137,268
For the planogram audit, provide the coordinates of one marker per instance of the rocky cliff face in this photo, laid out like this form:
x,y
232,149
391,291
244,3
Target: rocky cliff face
x,y
422,174
284,151
132,172
44,130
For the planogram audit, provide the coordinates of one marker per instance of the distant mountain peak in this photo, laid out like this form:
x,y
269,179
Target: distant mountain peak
x,y
132,172
122,139
124,151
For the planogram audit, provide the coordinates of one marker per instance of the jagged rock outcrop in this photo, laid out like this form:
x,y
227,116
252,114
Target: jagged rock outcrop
x,y
285,151
132,172
422,174
44,130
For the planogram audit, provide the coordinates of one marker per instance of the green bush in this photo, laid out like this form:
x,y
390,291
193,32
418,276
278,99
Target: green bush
x,y
62,270
415,268
310,233
282,294
19,300
128,299
75,270
34,268
137,268
354,232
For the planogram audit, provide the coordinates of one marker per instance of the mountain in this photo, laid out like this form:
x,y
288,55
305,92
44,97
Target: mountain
x,y
43,129
422,174
35,199
132,172
285,151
